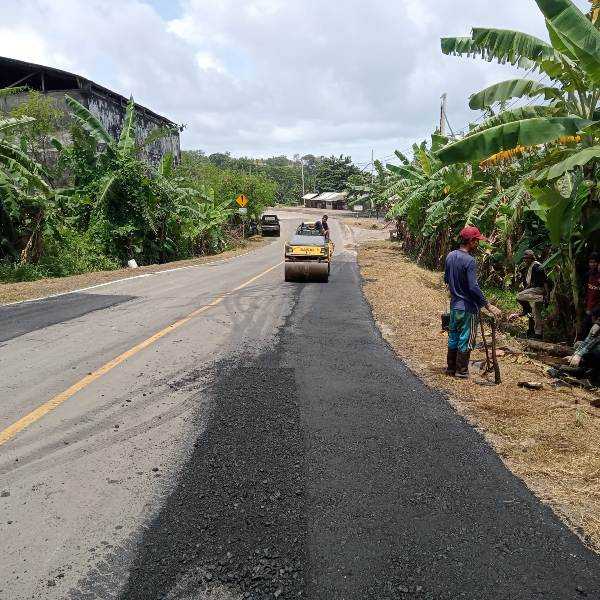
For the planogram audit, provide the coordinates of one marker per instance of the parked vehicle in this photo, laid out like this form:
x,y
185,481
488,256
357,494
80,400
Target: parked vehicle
x,y
269,225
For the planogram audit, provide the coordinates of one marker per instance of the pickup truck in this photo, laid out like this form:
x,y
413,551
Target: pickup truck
x,y
269,225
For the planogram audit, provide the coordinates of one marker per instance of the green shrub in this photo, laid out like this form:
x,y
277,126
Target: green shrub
x,y
72,254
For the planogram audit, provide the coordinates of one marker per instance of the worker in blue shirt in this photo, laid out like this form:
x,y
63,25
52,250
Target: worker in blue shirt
x,y
466,300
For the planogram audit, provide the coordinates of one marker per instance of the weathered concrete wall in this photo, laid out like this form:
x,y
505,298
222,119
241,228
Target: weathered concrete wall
x,y
58,100
111,114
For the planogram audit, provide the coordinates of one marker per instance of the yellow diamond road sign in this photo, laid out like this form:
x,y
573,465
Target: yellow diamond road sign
x,y
242,200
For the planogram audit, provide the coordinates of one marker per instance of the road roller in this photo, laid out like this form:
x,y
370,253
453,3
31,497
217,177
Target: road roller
x,y
308,256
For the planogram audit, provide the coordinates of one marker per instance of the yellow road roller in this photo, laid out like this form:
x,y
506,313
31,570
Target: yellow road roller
x,y
308,256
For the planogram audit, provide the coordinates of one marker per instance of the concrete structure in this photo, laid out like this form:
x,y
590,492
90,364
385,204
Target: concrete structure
x,y
106,105
326,200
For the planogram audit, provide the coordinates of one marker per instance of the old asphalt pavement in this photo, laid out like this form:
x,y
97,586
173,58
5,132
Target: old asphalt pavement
x,y
271,446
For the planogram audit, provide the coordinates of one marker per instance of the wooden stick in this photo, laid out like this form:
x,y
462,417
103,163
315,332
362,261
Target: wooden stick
x,y
488,364
497,377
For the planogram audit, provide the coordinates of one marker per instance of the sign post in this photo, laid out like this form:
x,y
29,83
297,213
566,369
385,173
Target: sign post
x,y
242,202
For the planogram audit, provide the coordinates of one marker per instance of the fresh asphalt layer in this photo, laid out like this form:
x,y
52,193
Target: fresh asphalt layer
x,y
272,447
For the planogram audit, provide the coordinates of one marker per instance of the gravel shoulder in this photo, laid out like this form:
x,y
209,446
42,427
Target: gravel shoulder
x,y
550,437
29,290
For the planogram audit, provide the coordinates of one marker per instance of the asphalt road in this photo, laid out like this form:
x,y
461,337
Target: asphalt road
x,y
270,446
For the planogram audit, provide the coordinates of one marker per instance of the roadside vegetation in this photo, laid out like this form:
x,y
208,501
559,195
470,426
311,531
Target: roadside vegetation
x,y
92,202
526,172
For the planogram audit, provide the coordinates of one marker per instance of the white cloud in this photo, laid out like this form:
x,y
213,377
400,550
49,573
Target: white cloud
x,y
209,62
274,76
23,43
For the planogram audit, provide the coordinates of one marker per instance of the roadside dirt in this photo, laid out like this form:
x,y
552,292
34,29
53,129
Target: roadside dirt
x,y
550,437
367,223
29,290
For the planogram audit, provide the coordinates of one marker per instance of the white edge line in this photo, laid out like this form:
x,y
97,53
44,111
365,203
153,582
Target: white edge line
x,y
99,285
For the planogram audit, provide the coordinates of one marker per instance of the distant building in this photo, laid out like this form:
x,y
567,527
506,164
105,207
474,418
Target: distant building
x,y
326,200
107,106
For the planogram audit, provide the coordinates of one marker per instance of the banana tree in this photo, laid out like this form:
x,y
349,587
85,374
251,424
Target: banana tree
x,y
562,134
25,195
571,60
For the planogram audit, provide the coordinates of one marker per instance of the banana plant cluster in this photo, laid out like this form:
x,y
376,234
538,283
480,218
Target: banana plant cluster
x,y
528,174
116,205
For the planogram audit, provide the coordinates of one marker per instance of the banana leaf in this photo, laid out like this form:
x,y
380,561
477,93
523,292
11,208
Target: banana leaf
x,y
577,159
528,132
568,26
551,208
15,160
503,45
90,123
516,114
512,88
7,124
401,157
11,91
127,138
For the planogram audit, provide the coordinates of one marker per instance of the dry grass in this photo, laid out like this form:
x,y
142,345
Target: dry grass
x,y
28,290
550,438
366,223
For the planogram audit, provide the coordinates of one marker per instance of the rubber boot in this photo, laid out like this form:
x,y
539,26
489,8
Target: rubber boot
x,y
451,361
462,365
531,329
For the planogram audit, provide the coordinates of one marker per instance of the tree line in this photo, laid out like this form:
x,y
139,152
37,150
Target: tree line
x,y
320,173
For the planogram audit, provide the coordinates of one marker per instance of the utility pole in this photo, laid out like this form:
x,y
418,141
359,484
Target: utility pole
x,y
372,165
443,114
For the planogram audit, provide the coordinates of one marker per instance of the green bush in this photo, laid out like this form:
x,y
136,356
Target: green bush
x,y
72,254
15,272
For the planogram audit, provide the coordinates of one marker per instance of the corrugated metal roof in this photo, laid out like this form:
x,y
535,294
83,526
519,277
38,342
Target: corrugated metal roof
x,y
309,196
77,81
333,196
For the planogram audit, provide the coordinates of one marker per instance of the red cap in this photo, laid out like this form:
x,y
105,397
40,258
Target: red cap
x,y
472,233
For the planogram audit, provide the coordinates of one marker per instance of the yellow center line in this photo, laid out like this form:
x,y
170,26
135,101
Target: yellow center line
x,y
55,402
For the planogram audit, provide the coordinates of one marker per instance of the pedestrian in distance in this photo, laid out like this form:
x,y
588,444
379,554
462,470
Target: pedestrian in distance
x,y
466,301
535,294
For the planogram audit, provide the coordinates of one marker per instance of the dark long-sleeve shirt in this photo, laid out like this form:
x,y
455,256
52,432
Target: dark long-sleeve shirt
x,y
591,344
461,278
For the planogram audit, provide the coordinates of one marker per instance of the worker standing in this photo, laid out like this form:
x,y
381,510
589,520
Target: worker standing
x,y
466,300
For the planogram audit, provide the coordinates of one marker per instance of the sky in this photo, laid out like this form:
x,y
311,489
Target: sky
x,y
273,77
